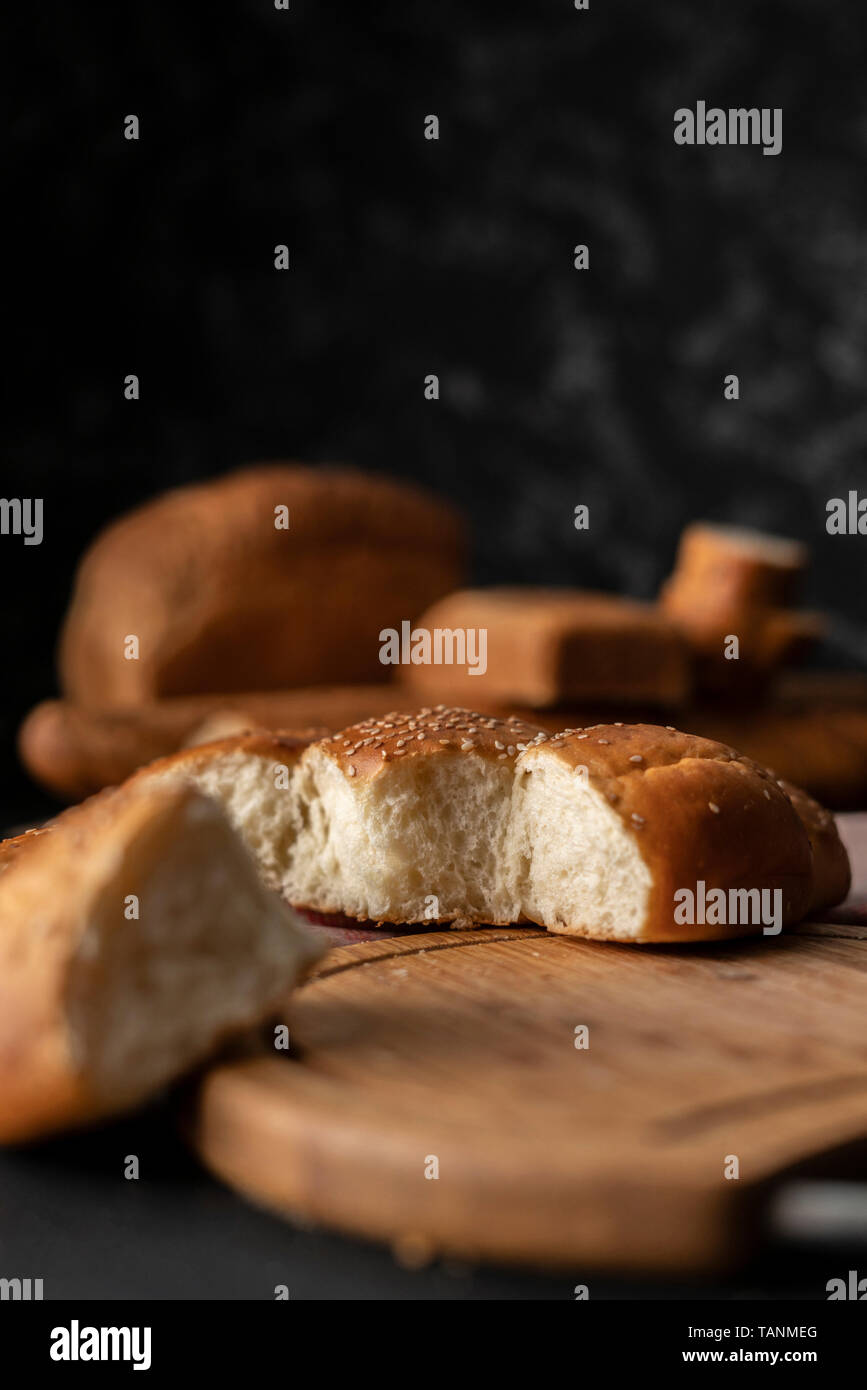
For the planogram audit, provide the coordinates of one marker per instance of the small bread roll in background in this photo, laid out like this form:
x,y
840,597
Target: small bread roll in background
x,y
729,583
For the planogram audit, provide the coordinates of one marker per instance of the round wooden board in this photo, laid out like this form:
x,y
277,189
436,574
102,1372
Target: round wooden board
x,y
453,1053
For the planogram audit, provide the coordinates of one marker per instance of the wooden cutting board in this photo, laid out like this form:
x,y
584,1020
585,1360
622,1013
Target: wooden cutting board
x,y
453,1053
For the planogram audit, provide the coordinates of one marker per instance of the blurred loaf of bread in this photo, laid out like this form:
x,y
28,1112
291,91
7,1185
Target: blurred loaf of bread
x,y
276,576
549,646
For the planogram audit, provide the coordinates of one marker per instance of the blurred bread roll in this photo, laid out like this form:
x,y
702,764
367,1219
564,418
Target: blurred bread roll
x,y
733,583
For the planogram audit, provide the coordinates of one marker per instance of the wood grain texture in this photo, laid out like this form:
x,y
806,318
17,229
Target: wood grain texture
x,y
461,1045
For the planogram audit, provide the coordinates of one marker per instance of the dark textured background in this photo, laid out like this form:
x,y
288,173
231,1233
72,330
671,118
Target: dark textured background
x,y
410,257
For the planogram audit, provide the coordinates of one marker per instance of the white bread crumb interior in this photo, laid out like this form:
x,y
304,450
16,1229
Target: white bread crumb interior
x,y
477,831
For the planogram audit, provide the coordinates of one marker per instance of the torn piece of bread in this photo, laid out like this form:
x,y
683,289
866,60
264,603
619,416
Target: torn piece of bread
x,y
252,776
299,812
407,819
610,823
135,935
453,816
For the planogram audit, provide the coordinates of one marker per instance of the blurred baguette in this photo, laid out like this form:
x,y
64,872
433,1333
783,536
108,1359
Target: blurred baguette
x,y
74,752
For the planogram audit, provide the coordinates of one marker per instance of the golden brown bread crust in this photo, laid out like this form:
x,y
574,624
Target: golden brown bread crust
x,y
227,723
221,599
545,646
48,880
832,873
822,749
284,748
15,845
364,750
700,811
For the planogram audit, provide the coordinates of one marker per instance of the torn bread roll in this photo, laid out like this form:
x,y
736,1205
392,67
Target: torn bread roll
x,y
135,935
453,816
669,814
253,777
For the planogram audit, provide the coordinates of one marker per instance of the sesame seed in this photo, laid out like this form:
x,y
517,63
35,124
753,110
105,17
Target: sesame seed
x,y
602,740
511,750
466,744
713,806
351,770
636,758
639,820
498,744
